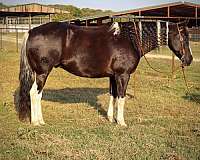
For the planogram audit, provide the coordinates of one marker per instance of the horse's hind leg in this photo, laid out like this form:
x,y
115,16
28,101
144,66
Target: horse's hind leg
x,y
113,98
36,96
122,82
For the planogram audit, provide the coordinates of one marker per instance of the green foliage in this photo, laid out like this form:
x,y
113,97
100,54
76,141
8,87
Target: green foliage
x,y
76,12
2,5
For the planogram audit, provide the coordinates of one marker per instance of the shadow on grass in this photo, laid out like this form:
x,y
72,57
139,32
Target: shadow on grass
x,y
76,95
194,97
73,95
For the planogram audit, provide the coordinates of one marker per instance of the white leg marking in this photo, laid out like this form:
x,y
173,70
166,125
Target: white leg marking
x,y
36,109
120,111
110,108
190,50
40,117
34,112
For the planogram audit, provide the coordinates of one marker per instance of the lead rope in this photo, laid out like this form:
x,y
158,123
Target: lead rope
x,y
183,69
187,87
142,51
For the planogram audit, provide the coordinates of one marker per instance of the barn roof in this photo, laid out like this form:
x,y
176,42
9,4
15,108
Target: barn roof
x,y
170,11
27,9
180,9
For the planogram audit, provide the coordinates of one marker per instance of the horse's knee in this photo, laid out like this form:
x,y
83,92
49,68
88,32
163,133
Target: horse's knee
x,y
41,80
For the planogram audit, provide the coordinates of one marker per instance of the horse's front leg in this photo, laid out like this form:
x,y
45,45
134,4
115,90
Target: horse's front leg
x,y
113,98
122,82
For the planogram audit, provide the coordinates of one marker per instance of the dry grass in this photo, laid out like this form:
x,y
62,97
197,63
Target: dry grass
x,y
163,123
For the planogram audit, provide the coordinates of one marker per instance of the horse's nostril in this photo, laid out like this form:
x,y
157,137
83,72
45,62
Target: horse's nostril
x,y
183,58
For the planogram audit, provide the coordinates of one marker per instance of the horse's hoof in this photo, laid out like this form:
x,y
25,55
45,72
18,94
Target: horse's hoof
x,y
42,122
35,123
110,118
122,123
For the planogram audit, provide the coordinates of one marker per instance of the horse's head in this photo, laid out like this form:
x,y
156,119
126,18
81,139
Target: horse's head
x,y
178,42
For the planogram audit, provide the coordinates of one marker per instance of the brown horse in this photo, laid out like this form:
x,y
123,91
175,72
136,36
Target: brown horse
x,y
110,50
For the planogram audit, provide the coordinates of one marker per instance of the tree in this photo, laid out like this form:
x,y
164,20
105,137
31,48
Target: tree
x,y
76,12
2,5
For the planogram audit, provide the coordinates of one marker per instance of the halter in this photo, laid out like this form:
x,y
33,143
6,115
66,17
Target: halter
x,y
181,41
182,66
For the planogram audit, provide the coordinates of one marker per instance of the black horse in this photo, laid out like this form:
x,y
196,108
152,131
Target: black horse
x,y
110,50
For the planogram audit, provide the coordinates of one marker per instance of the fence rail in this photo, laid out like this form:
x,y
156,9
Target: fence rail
x,y
13,35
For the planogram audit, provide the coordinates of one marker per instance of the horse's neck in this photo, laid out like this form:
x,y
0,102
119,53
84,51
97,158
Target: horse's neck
x,y
149,41
148,44
145,40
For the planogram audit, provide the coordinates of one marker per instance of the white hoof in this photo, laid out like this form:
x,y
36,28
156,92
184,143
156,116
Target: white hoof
x,y
35,123
121,123
111,119
42,122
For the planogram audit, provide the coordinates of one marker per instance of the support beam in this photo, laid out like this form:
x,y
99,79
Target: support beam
x,y
158,32
196,15
140,29
196,12
6,20
140,14
1,38
17,40
18,20
50,18
99,22
167,32
111,20
86,23
40,20
29,22
168,11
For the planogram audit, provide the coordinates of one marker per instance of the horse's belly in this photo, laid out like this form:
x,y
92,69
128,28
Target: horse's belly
x,y
86,70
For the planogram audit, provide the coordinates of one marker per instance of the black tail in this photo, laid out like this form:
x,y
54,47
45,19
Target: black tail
x,y
26,78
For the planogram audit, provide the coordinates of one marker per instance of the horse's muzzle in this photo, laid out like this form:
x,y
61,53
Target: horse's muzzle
x,y
186,61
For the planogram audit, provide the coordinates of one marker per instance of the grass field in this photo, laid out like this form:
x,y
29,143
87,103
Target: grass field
x,y
163,122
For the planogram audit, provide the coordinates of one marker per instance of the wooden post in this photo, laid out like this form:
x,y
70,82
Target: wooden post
x,y
111,20
86,23
140,13
167,32
140,29
1,36
158,33
168,11
29,22
17,20
173,66
17,46
196,12
6,19
40,20
99,22
50,18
